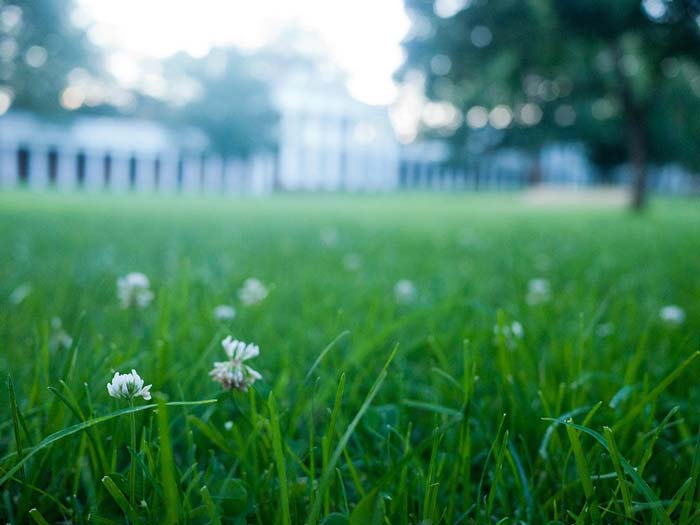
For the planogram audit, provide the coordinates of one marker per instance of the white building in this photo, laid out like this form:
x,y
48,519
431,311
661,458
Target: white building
x,y
120,154
329,141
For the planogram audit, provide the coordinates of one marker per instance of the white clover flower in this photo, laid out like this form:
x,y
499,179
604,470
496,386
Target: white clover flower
x,y
252,292
352,262
605,329
224,312
517,329
672,315
59,337
20,293
538,291
405,291
510,333
134,290
234,373
329,236
128,386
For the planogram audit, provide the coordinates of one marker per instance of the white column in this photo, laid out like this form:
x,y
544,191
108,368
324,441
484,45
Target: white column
x,y
269,173
145,173
119,172
167,174
331,171
9,175
38,167
191,174
256,173
66,169
94,170
233,180
213,174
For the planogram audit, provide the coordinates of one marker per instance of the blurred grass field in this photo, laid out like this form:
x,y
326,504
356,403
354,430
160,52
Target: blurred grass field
x,y
455,429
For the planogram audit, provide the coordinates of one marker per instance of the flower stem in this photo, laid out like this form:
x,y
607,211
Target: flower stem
x,y
132,467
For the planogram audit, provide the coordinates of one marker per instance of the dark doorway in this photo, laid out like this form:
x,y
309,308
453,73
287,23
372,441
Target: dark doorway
x,y
81,170
23,166
108,170
132,173
53,167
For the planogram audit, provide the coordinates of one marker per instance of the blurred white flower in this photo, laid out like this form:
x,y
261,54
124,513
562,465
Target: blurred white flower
x,y
329,236
252,292
605,329
20,293
538,291
234,373
405,291
352,262
134,290
128,386
517,329
510,333
224,312
228,425
59,336
672,314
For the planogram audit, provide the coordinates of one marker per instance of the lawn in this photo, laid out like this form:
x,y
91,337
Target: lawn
x,y
424,359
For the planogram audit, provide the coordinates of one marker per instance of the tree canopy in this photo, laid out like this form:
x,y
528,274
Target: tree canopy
x,y
622,77
50,67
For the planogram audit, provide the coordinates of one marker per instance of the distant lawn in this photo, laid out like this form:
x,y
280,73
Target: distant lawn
x,y
456,430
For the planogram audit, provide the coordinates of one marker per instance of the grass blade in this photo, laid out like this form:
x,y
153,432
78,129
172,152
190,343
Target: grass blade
x,y
120,499
211,507
615,456
167,466
330,468
37,517
66,432
279,459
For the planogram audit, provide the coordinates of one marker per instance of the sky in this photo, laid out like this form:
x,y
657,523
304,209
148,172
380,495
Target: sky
x,y
362,36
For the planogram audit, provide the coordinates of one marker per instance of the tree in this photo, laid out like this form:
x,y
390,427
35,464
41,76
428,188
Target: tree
x,y
226,101
614,75
39,46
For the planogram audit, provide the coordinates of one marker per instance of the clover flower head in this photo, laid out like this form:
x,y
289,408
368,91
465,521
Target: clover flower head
x,y
224,312
252,292
20,293
405,291
517,329
59,337
134,290
128,386
329,236
352,262
538,291
234,373
604,329
672,314
510,333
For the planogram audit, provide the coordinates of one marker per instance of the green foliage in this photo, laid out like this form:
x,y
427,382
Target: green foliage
x,y
43,25
231,105
621,68
370,410
228,102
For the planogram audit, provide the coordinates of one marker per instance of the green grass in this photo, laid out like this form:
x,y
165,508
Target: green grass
x,y
370,411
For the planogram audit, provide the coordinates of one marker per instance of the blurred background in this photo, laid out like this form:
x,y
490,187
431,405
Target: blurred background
x,y
216,96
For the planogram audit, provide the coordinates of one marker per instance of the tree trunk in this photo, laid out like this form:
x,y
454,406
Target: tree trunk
x,y
637,154
635,115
